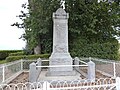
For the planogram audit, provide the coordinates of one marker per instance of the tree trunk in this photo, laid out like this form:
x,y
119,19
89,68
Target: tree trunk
x,y
37,49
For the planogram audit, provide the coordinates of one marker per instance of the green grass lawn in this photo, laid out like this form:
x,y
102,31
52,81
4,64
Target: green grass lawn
x,y
2,61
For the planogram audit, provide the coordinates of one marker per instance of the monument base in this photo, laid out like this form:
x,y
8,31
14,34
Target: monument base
x,y
45,77
61,60
61,73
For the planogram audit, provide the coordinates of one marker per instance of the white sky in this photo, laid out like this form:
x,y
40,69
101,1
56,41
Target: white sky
x,y
9,35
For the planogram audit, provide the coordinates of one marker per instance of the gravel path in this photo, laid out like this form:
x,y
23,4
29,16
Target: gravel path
x,y
22,78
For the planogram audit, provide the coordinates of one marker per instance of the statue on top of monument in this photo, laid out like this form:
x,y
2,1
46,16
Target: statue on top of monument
x,y
63,4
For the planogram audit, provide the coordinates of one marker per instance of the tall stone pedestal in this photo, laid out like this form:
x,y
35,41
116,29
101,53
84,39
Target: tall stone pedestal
x,y
60,54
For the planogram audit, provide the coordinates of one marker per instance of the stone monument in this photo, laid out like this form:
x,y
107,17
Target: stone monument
x,y
60,57
60,54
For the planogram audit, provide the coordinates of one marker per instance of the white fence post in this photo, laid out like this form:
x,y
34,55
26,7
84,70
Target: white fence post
x,y
46,86
3,73
118,83
39,63
91,71
21,64
114,68
76,62
32,73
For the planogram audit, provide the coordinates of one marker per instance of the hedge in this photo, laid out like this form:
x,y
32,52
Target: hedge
x,y
16,54
13,58
2,61
106,50
5,53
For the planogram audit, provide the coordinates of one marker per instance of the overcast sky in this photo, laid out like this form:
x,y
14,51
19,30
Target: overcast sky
x,y
9,36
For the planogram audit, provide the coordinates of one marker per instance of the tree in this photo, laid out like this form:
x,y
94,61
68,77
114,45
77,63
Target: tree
x,y
89,20
38,24
92,27
96,21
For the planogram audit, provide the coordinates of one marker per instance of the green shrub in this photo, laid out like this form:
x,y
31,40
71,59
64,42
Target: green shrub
x,y
106,50
16,54
38,56
5,53
13,58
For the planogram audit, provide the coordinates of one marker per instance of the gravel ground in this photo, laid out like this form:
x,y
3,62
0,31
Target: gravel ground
x,y
22,78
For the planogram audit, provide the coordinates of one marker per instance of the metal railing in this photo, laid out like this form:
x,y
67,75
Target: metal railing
x,y
36,68
105,66
99,84
63,66
10,70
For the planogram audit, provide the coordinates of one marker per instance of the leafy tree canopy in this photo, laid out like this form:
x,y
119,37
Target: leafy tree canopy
x,y
93,21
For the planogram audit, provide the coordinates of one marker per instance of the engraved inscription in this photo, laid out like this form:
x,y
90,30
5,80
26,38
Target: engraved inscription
x,y
60,49
60,33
